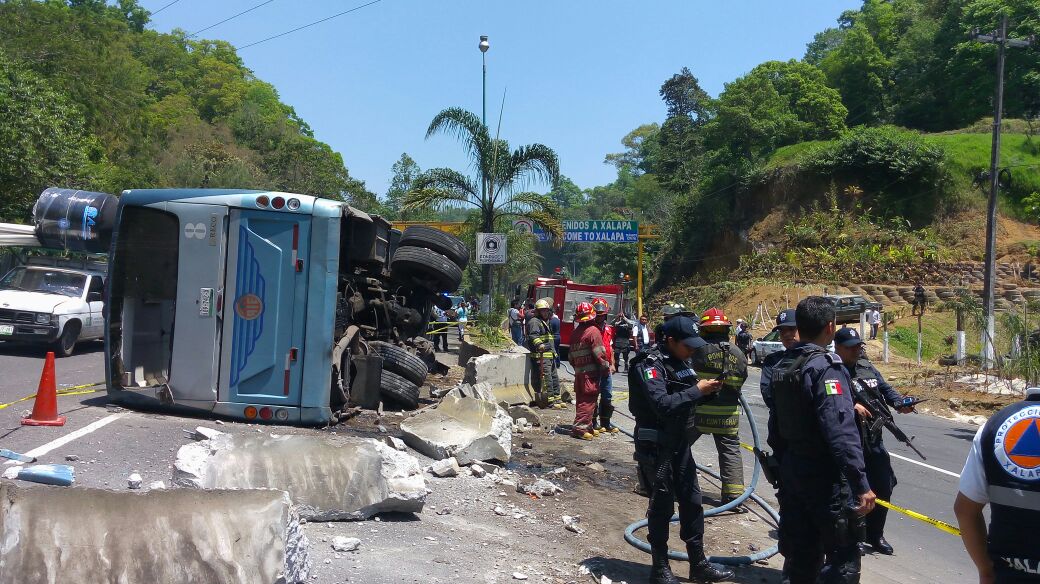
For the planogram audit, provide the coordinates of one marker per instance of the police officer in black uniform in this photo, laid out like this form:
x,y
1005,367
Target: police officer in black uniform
x,y
663,388
1002,471
824,490
785,323
867,379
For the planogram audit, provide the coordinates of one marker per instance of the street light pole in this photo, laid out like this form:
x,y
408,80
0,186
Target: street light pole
x,y
990,283
485,197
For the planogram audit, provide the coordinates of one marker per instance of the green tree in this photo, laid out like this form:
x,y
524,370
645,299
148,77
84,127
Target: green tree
x,y
680,141
405,172
498,191
862,74
42,141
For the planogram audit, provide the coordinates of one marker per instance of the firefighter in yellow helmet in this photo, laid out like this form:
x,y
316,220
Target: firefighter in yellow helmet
x,y
720,415
540,341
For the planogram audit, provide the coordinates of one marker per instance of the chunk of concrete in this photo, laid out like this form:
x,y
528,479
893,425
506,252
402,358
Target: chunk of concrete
x,y
468,429
509,375
449,467
525,412
482,391
79,534
395,443
328,478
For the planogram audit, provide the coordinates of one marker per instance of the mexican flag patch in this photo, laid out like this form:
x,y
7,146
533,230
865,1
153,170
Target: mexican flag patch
x,y
652,373
833,387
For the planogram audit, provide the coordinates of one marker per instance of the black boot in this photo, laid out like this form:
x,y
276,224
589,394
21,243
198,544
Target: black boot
x,y
661,572
882,546
705,571
701,570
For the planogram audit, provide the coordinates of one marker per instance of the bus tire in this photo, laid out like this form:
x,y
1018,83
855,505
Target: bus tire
x,y
398,360
427,268
398,390
434,239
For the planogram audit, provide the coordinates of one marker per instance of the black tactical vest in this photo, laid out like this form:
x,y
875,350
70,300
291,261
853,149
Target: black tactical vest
x,y
1010,445
795,416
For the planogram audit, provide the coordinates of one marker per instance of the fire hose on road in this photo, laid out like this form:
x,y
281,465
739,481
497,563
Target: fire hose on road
x,y
749,493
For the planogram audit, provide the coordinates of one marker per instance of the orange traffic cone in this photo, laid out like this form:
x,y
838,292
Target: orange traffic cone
x,y
45,408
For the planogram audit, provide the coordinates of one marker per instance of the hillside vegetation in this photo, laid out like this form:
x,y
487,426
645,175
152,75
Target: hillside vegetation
x,y
90,98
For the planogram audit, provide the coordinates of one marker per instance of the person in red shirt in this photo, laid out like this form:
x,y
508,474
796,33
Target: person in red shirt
x,y
606,392
588,356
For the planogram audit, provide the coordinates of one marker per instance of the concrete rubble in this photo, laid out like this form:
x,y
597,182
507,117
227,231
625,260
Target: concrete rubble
x,y
525,412
328,478
467,428
345,544
79,534
509,374
541,488
481,390
449,467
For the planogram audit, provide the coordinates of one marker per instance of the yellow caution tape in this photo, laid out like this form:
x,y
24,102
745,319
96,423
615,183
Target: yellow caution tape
x,y
74,390
908,512
933,522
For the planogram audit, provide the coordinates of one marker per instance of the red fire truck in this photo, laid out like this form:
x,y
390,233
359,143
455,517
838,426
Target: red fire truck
x,y
567,294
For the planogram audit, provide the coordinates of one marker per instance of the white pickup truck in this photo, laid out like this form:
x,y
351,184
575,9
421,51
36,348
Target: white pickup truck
x,y
48,305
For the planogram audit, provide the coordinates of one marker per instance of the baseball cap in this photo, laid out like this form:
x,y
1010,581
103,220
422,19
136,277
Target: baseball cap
x,y
847,337
682,328
786,318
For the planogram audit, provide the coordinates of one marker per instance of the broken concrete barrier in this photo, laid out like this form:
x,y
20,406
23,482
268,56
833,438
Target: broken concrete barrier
x,y
467,428
482,391
79,534
328,479
509,375
525,412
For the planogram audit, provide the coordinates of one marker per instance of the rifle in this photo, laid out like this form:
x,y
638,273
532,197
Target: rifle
x,y
881,417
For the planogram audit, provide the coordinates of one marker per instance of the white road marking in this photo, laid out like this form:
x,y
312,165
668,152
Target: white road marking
x,y
59,442
919,463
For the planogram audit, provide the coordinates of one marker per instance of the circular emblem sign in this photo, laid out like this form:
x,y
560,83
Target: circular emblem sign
x,y
249,306
1017,444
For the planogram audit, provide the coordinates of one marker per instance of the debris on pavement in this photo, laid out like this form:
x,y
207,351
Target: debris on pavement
x,y
571,524
526,413
134,481
156,485
61,475
395,443
11,472
345,544
448,467
5,453
540,488
467,428
328,477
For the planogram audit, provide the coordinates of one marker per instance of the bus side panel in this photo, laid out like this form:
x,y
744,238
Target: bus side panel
x,y
260,326
196,334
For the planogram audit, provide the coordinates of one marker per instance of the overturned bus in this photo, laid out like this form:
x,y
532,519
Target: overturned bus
x,y
269,306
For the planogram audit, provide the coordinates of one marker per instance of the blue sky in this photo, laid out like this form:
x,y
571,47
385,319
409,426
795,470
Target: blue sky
x,y
578,75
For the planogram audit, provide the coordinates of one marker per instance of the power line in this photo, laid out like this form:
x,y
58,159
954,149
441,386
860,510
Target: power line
x,y
165,7
299,28
230,18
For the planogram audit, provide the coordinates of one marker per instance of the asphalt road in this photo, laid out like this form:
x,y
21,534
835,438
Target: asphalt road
x,y
115,442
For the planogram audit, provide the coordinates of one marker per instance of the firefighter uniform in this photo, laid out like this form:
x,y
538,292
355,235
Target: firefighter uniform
x,y
588,356
541,343
821,470
720,414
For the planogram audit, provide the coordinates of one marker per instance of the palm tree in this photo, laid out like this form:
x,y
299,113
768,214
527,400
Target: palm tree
x,y
503,177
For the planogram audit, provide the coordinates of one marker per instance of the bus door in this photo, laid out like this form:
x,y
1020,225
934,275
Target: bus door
x,y
265,308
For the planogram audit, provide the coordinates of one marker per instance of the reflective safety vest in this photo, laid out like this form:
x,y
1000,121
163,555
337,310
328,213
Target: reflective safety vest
x,y
719,414
540,339
1010,444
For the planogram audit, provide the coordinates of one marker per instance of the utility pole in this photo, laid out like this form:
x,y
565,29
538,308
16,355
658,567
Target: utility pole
x,y
485,196
989,286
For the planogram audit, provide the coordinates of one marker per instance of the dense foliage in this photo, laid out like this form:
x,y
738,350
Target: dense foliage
x,y
89,98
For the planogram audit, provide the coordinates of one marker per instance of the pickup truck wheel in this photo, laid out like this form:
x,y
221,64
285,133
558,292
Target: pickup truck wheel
x,y
434,239
66,343
398,390
400,361
426,267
